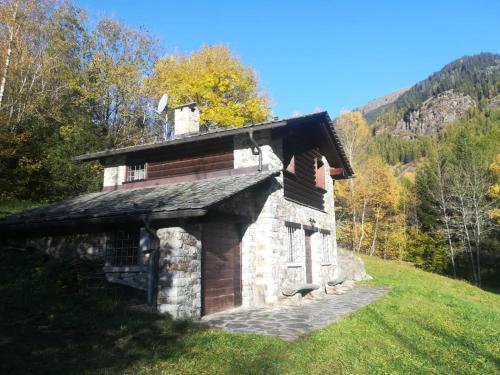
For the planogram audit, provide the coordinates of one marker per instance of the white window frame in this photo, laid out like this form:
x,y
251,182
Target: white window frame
x,y
136,172
326,248
294,243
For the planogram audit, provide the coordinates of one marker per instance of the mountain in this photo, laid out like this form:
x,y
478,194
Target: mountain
x,y
443,97
374,104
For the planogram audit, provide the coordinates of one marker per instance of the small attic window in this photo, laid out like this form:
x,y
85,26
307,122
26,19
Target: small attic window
x,y
136,172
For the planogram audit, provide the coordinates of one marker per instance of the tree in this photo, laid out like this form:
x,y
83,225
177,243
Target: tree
x,y
435,206
225,90
469,187
494,190
354,133
118,59
377,200
11,31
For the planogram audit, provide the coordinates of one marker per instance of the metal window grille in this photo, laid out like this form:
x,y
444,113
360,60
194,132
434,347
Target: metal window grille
x,y
122,248
136,172
293,241
325,239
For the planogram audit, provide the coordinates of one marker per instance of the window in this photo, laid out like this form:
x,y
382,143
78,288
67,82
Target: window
x,y
136,172
325,247
293,241
122,248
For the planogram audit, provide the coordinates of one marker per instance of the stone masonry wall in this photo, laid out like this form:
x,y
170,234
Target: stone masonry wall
x,y
179,287
265,270
92,246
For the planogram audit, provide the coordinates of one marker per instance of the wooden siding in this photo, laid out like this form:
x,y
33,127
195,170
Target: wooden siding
x,y
212,156
221,267
301,186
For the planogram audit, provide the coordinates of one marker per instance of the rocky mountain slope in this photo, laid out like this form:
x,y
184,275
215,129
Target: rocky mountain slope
x,y
442,98
435,113
374,104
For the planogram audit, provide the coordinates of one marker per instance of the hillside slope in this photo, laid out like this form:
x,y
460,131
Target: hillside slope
x,y
51,322
383,100
442,98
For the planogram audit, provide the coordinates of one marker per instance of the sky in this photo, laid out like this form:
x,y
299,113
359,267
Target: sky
x,y
321,55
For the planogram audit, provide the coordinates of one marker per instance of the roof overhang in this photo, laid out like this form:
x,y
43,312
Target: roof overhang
x,y
128,219
331,146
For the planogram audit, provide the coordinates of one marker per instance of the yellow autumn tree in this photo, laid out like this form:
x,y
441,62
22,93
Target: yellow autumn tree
x,y
377,198
494,190
354,134
225,90
379,226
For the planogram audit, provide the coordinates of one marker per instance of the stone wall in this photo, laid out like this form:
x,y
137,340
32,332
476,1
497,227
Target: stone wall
x,y
92,246
179,287
265,270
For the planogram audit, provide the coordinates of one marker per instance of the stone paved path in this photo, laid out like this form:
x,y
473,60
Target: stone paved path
x,y
289,322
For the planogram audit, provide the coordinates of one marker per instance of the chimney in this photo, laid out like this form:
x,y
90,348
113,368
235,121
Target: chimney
x,y
185,119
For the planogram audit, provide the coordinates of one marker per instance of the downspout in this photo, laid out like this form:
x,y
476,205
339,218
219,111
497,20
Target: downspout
x,y
153,264
256,145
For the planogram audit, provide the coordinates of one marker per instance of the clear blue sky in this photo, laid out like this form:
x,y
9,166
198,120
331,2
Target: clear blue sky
x,y
331,55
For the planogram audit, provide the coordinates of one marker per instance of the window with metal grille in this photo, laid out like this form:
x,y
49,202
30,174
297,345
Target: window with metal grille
x,y
122,248
293,242
326,247
136,172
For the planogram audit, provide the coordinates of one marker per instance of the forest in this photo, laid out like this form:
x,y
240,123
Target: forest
x,y
431,200
70,86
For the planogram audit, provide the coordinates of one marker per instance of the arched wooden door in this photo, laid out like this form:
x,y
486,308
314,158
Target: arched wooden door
x,y
221,267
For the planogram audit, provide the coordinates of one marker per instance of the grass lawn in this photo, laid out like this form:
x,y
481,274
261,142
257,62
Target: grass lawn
x,y
50,322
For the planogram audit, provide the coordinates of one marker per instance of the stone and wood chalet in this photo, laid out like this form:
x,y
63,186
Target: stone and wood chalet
x,y
208,220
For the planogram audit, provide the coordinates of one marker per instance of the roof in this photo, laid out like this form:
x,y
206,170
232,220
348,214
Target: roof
x,y
320,117
161,202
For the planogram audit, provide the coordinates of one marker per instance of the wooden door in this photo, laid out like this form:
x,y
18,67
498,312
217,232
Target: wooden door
x,y
221,267
308,257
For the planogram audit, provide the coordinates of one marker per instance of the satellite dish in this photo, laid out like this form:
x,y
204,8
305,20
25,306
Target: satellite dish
x,y
162,104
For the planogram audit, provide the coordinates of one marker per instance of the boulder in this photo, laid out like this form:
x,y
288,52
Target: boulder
x,y
350,267
339,279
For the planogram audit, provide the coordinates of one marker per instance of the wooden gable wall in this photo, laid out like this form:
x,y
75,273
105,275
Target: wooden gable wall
x,y
304,175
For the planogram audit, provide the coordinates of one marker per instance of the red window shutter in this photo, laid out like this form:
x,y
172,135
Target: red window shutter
x,y
336,173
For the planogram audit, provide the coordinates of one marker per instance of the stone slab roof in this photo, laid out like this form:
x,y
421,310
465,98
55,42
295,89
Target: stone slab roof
x,y
159,202
228,131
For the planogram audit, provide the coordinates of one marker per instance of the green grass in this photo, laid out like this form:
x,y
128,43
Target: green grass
x,y
52,323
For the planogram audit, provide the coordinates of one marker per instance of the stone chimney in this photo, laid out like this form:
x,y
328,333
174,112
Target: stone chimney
x,y
185,119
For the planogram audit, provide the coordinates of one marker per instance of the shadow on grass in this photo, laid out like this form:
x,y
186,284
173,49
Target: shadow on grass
x,y
457,340
51,322
455,343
